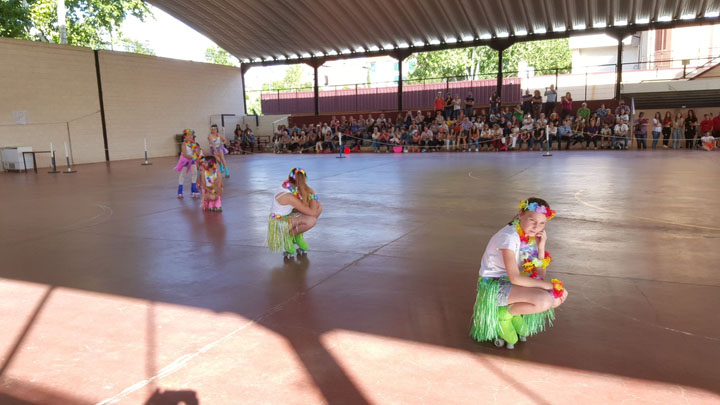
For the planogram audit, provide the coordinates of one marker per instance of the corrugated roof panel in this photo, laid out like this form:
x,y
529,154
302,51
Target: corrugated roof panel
x,y
276,29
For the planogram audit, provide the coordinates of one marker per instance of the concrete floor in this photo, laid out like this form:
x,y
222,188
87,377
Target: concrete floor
x,y
113,290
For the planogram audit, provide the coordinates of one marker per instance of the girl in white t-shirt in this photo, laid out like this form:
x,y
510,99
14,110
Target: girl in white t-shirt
x,y
295,210
513,299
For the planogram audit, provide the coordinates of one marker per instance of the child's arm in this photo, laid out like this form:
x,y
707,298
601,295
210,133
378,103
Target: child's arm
x,y
289,199
518,279
218,186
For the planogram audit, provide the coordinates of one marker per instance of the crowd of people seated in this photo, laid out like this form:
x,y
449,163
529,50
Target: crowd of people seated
x,y
456,125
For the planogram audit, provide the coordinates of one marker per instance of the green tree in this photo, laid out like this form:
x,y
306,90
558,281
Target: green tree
x,y
481,62
291,81
131,45
92,23
219,56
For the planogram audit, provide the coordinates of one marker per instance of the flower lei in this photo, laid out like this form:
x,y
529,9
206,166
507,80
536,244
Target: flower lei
x,y
558,288
292,189
195,148
529,254
211,178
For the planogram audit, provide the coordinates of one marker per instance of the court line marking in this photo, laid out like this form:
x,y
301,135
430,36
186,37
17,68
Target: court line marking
x,y
662,221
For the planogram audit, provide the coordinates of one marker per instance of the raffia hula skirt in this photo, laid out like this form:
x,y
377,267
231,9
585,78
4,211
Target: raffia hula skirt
x,y
278,236
485,326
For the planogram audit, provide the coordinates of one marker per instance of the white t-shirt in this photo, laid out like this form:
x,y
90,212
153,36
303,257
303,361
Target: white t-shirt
x,y
492,264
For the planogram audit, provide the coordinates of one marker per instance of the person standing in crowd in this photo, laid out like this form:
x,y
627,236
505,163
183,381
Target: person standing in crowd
x,y
667,128
657,129
566,104
550,100
448,106
469,105
678,125
641,131
439,103
706,125
494,103
457,106
691,123
536,104
527,102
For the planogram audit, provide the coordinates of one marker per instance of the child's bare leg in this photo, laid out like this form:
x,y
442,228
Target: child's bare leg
x,y
528,300
301,224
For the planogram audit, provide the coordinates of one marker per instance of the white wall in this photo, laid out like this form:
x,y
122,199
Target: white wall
x,y
53,84
144,97
156,98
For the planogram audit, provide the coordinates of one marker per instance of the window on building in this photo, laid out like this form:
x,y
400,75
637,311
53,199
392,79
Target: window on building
x,y
663,47
396,66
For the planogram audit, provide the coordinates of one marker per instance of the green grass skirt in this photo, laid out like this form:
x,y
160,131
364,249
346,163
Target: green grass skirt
x,y
485,325
278,236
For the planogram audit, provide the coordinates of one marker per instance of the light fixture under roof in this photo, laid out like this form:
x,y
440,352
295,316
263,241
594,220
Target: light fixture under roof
x,y
374,48
485,36
687,17
521,33
258,60
559,29
319,54
333,52
503,34
281,57
434,41
359,49
665,18
388,46
403,45
345,51
645,20
579,27
468,38
599,24
293,56
450,40
540,30
712,14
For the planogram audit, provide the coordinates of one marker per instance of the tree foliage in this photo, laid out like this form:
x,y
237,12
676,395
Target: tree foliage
x,y
131,45
481,62
291,81
219,56
92,23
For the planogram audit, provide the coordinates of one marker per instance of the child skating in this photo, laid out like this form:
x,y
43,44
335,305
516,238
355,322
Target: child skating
x,y
217,143
295,210
514,300
190,153
212,185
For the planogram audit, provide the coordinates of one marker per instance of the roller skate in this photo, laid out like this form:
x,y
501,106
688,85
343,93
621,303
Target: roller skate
x,y
508,337
302,246
180,192
194,192
520,327
290,252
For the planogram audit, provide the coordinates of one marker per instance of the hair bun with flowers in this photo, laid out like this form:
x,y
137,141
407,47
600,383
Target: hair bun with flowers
x,y
296,170
542,209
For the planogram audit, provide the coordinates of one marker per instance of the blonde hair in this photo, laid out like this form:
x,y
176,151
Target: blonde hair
x,y
303,189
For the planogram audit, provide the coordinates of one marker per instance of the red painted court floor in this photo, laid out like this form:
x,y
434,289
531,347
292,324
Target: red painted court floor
x,y
114,291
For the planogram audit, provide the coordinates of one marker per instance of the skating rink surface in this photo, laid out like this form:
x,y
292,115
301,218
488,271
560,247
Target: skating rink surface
x,y
114,291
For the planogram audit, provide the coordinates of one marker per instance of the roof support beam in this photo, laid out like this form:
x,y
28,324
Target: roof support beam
x,y
315,63
400,55
500,47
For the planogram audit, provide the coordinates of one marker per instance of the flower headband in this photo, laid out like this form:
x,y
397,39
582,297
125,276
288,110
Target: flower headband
x,y
188,131
296,170
542,209
214,126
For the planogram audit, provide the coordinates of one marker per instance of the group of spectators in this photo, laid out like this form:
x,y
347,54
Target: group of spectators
x,y
457,125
